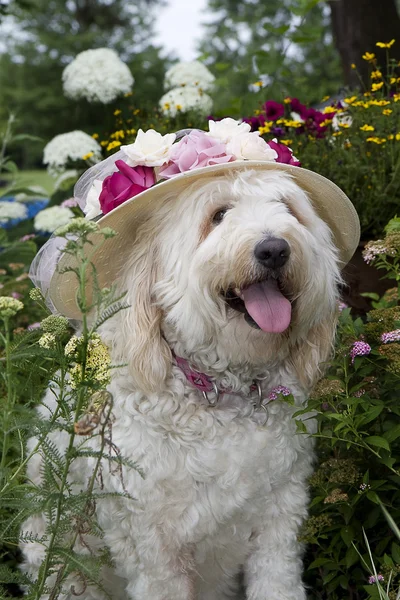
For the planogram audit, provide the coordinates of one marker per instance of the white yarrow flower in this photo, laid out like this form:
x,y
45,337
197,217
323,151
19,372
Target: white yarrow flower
x,y
193,74
92,207
185,99
226,129
341,119
12,210
69,147
47,220
150,149
97,76
250,146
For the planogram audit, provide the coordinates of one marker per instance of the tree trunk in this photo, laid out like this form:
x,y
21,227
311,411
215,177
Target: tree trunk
x,y
357,25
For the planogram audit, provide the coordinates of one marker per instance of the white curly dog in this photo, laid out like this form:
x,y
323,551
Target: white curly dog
x,y
233,288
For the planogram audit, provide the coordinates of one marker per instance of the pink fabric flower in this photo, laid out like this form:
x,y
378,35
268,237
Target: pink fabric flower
x,y
124,184
285,155
194,151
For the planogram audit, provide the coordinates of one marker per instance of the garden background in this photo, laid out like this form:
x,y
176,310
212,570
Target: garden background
x,y
322,78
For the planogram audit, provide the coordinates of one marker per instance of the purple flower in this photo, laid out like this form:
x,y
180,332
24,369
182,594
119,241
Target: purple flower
x,y
124,184
69,203
373,579
278,131
359,349
285,155
34,326
273,110
279,389
254,122
342,306
194,151
391,336
26,238
16,295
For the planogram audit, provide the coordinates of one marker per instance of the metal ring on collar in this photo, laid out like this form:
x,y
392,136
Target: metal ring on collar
x,y
217,396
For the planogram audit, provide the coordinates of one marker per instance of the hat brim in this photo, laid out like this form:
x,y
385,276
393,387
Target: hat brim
x,y
328,200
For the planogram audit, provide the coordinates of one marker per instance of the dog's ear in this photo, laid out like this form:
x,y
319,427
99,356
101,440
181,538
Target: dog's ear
x,y
309,356
146,351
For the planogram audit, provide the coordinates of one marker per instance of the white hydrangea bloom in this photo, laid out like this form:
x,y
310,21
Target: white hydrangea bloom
x,y
49,219
68,147
185,99
12,210
150,149
97,76
193,74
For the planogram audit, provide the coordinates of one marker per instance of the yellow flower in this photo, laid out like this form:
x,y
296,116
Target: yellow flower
x,y
128,94
379,102
396,97
87,156
326,122
367,128
265,129
117,112
337,133
376,86
353,66
104,143
286,142
350,100
258,84
376,75
347,145
392,80
390,136
387,111
113,145
136,111
368,56
385,45
376,140
367,93
95,136
178,106
397,136
167,106
325,98
328,109
287,100
344,125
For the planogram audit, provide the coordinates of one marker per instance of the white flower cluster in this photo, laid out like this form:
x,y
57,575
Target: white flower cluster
x,y
193,74
187,82
97,76
185,99
12,210
49,219
69,147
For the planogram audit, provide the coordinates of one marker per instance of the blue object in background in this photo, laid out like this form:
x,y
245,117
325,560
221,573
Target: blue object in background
x,y
33,206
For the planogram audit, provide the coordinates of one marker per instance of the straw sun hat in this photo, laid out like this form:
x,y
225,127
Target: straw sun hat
x,y
120,191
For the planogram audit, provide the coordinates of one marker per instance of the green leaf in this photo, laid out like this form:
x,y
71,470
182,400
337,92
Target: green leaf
x,y
396,553
347,534
10,166
392,434
379,442
351,556
373,497
319,562
25,137
282,29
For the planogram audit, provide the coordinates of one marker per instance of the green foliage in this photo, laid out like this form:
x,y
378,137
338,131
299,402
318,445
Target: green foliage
x,y
352,532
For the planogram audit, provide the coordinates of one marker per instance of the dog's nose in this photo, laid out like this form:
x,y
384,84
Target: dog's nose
x,y
272,252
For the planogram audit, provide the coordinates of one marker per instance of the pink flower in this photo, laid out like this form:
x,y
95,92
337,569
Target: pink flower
x,y
279,389
391,336
273,110
69,203
124,184
285,154
194,151
16,295
373,579
359,349
34,326
27,237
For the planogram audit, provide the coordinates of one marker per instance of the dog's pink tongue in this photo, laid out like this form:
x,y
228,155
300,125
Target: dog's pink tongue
x,y
267,306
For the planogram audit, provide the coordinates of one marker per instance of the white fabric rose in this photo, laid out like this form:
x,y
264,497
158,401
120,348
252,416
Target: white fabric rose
x,y
250,146
92,207
150,149
49,219
226,129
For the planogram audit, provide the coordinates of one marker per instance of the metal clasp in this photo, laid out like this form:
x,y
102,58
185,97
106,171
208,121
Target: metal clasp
x,y
217,395
259,405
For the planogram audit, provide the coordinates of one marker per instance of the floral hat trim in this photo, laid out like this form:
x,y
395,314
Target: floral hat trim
x,y
153,158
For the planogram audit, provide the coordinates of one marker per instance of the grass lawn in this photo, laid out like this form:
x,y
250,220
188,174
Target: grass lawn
x,y
35,177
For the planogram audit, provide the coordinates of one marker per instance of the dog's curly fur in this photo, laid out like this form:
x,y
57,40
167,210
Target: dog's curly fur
x,y
223,492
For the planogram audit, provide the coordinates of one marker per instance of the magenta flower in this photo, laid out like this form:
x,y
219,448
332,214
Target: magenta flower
x,y
279,389
124,184
273,110
359,349
285,155
194,151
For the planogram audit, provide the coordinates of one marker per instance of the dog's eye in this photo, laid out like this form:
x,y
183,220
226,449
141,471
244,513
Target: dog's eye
x,y
219,215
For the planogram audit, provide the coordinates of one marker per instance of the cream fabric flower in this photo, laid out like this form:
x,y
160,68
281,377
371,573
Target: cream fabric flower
x,y
92,207
226,129
150,149
250,146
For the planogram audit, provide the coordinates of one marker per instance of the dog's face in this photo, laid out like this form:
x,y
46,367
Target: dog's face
x,y
241,261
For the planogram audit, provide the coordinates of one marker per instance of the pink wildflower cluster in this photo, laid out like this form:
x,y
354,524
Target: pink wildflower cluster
x,y
359,393
342,306
373,579
391,336
374,249
359,349
279,389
